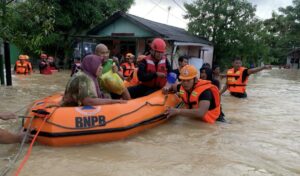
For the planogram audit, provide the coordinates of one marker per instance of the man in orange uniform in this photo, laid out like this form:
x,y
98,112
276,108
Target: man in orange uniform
x,y
201,98
29,63
237,78
128,66
22,66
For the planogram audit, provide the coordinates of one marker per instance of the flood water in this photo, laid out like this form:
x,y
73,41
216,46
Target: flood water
x,y
262,137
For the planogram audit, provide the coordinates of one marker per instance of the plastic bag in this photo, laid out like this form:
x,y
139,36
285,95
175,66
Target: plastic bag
x,y
112,82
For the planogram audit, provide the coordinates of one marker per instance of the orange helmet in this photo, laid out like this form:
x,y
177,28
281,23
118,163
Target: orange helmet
x,y
140,58
43,56
21,57
188,72
159,45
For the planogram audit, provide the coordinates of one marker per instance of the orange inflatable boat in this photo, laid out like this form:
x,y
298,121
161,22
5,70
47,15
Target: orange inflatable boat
x,y
65,126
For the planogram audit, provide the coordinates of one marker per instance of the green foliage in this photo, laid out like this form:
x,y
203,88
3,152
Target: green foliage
x,y
284,31
232,27
37,26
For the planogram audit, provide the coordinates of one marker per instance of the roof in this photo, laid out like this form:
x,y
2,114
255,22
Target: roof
x,y
158,29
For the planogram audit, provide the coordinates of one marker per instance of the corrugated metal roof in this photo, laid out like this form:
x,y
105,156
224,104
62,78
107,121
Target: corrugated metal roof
x,y
158,29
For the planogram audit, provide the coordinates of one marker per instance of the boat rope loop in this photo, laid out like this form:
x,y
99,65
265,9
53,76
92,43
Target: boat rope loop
x,y
31,145
113,119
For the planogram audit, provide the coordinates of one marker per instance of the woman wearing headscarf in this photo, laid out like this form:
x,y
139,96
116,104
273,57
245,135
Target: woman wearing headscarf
x,y
83,87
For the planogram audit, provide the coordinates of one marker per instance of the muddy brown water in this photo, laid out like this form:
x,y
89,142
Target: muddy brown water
x,y
262,137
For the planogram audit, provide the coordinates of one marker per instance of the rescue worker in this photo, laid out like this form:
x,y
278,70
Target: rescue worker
x,y
110,64
133,80
237,78
29,63
128,66
207,74
9,138
44,65
22,66
152,70
201,97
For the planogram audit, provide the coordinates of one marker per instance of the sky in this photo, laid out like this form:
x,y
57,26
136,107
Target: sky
x,y
157,10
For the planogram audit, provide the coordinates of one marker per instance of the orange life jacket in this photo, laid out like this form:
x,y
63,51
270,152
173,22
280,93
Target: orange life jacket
x,y
22,68
152,68
235,82
192,101
134,80
129,68
29,66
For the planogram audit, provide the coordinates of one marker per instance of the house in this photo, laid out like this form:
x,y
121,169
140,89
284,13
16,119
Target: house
x,y
124,33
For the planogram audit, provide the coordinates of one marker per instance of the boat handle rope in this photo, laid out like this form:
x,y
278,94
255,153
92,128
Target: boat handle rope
x,y
113,119
8,167
46,119
26,157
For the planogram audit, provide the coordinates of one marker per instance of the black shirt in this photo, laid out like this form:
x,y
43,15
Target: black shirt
x,y
205,95
245,75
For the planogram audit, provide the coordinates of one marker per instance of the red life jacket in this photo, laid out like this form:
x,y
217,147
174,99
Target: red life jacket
x,y
129,68
192,101
152,68
235,80
22,68
46,70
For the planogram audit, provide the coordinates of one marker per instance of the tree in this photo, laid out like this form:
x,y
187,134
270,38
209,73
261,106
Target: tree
x,y
283,31
230,25
49,25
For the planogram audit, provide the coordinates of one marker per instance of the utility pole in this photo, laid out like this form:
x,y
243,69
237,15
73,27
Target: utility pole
x,y
4,3
169,9
7,63
1,66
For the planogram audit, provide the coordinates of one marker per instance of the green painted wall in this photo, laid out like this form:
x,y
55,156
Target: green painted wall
x,y
14,53
124,26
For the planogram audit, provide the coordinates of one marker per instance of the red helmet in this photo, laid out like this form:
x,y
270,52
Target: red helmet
x,y
159,45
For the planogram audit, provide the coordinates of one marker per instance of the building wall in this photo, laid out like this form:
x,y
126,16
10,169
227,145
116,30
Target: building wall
x,y
124,26
14,53
194,52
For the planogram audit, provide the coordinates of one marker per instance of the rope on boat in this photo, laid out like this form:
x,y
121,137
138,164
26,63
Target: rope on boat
x,y
8,167
113,119
30,148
